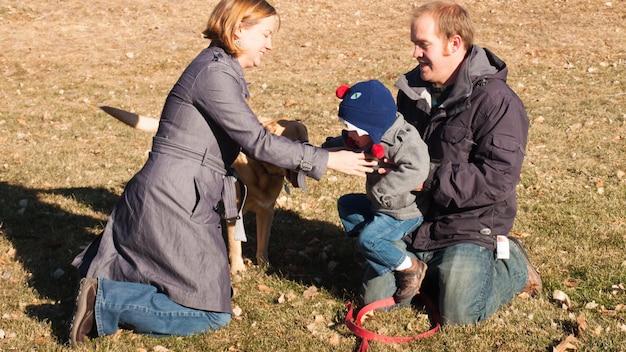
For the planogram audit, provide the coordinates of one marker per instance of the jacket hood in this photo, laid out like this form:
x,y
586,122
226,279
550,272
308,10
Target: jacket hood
x,y
480,64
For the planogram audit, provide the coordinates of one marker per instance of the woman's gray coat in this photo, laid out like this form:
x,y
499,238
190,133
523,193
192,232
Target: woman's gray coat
x,y
165,230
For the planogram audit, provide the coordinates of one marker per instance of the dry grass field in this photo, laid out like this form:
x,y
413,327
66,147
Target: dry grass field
x,y
64,163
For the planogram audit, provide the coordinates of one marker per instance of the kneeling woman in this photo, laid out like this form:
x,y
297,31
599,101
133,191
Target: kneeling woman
x,y
160,266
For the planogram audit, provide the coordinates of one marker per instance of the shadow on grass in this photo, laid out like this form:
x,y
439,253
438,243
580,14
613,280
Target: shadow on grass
x,y
46,239
309,252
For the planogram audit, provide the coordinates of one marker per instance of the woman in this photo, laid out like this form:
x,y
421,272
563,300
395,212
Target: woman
x,y
160,267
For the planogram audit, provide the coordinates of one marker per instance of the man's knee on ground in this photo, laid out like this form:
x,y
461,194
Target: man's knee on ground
x,y
465,316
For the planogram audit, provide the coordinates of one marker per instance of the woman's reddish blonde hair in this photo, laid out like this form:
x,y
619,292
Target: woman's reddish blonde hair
x,y
228,15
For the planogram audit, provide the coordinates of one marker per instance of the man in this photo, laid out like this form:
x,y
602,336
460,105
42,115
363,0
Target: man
x,y
476,130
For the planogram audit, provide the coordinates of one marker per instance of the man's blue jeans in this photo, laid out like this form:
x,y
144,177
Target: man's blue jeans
x,y
376,232
141,308
467,280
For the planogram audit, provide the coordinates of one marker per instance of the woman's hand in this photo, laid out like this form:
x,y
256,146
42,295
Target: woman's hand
x,y
351,163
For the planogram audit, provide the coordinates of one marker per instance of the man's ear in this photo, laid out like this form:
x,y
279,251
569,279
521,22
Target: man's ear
x,y
455,43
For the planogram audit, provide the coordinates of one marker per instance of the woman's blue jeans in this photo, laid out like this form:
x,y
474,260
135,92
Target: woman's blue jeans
x,y
376,232
141,308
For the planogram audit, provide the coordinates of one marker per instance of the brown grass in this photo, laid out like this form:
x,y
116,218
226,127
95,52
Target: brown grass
x,y
63,163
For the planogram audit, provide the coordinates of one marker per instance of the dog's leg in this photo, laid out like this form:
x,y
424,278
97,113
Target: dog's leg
x,y
264,218
234,251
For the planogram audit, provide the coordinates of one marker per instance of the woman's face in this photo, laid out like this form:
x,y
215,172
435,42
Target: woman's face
x,y
255,41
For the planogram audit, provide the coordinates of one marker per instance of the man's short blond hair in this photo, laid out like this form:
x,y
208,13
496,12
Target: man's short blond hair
x,y
450,19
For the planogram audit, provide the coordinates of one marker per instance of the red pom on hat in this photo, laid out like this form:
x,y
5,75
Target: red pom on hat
x,y
378,151
341,91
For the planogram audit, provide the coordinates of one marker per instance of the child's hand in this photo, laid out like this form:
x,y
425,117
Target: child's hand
x,y
385,166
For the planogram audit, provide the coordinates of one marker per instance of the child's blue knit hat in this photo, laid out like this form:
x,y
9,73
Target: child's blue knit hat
x,y
369,106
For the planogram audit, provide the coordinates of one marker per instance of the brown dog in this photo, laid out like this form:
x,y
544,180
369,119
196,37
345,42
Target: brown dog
x,y
263,181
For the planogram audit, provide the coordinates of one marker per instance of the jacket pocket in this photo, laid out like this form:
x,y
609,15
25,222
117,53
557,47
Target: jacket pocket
x,y
453,134
456,145
200,213
504,151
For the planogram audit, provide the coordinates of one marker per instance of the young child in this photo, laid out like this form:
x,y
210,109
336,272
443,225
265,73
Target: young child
x,y
396,206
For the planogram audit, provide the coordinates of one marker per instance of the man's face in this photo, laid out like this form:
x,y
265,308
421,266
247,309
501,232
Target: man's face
x,y
433,54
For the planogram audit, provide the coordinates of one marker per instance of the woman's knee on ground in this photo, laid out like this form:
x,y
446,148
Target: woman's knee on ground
x,y
218,321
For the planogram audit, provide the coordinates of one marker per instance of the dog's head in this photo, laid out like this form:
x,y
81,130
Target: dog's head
x,y
291,129
294,130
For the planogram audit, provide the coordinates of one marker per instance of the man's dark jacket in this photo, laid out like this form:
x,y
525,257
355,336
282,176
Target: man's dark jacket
x,y
476,139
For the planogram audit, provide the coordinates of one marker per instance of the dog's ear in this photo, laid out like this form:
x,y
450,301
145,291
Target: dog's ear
x,y
303,134
274,126
292,177
292,129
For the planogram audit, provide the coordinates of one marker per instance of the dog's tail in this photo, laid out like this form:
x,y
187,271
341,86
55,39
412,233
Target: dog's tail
x,y
142,123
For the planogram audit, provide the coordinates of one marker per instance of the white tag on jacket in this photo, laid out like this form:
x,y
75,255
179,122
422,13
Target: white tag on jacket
x,y
502,247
